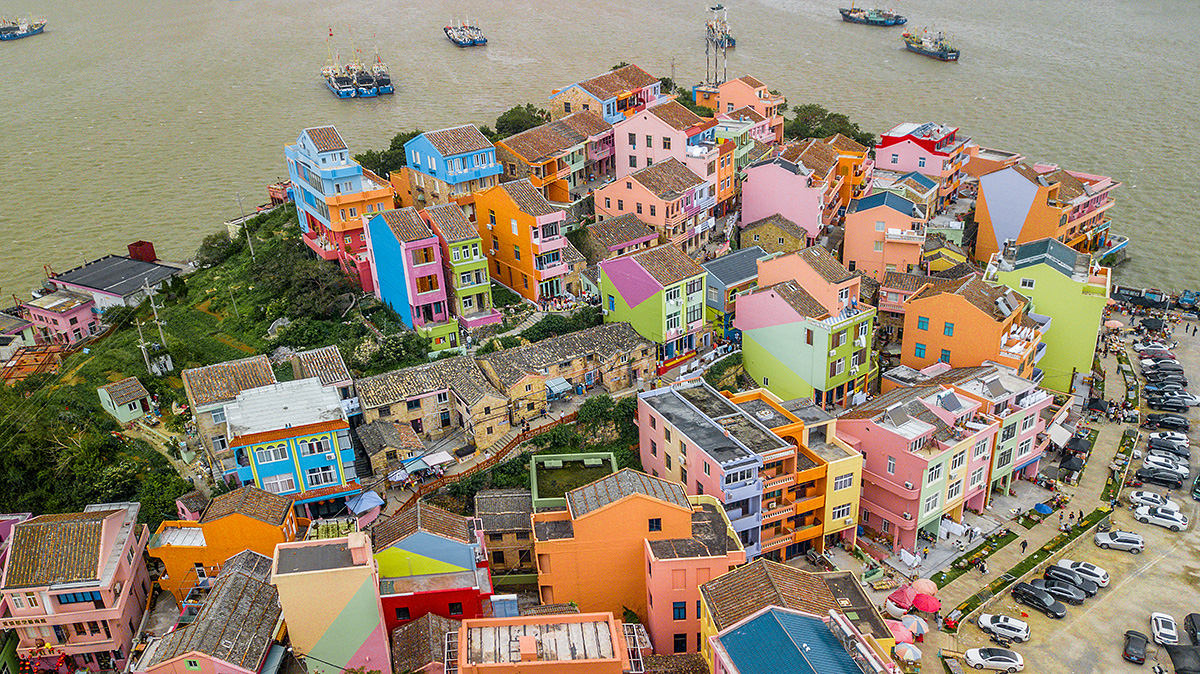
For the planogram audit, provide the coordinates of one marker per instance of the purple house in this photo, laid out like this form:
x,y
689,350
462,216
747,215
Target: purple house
x,y
62,317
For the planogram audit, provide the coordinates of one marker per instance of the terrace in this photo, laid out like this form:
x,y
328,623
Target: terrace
x,y
552,476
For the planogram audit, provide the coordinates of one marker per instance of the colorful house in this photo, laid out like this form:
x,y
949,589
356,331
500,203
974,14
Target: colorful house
x,y
561,159
293,439
854,165
774,234
208,388
125,400
669,197
984,160
804,333
894,290
1023,203
325,363
727,277
526,239
933,150
663,132
744,126
1069,288
777,637
745,92
939,254
660,292
409,276
506,516
430,561
614,95
884,233
115,280
614,237
191,553
333,195
329,591
658,547
62,317
577,643
912,186
964,322
801,184
76,587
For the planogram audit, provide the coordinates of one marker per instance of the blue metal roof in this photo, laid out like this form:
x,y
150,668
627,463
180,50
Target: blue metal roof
x,y
736,266
786,642
892,201
923,180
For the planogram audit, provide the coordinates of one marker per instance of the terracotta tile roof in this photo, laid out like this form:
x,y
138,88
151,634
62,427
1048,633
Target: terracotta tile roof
x,y
571,255
760,150
326,139
380,435
745,113
418,643
957,271
616,82
325,364
544,142
762,583
981,294
623,483
868,288
751,80
814,154
252,502
1069,187
350,488
797,298
423,517
782,223
667,180
528,199
194,500
906,282
52,549
126,391
601,342
451,223
676,116
458,140
843,144
504,509
224,381
1027,172
614,233
459,374
676,663
406,224
667,264
551,609
825,264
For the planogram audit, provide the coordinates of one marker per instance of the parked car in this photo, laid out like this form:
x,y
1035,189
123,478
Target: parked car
x,y
1159,462
1153,345
1158,378
1196,488
1162,628
1171,422
1165,478
1039,600
1152,499
1168,455
1182,451
1163,388
1191,625
1004,626
1060,589
1135,647
1168,405
1069,576
1182,396
1161,365
994,658
1120,540
1154,361
1163,517
1157,354
1086,569
1171,436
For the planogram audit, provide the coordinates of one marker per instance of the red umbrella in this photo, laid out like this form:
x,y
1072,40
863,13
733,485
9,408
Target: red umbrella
x,y
926,603
903,597
900,633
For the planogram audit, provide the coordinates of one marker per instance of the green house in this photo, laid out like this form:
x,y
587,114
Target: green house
x,y
125,400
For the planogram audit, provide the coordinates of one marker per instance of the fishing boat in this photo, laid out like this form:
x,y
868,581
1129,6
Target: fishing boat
x,y
934,45
383,79
872,17
15,30
341,84
465,34
365,81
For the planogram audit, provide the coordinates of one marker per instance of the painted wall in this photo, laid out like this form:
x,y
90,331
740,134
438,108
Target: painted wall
x,y
391,284
643,309
338,455
628,196
417,604
769,189
1009,206
508,238
672,581
976,335
424,553
863,233
423,157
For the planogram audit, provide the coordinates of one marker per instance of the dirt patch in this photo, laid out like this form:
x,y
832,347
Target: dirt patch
x,y
230,341
203,307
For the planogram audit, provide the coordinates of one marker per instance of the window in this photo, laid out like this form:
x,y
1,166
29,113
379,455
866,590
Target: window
x,y
948,329
524,557
314,446
841,512
402,613
921,162
632,161
885,526
958,460
193,665
837,367
935,473
895,158
879,225
1025,447
456,608
891,466
633,140
443,397
279,484
931,503
218,416
495,538
919,350
977,477
498,557
878,246
1009,432
945,357
78,597
651,210
916,444
922,323
653,448
666,143
271,453
654,524
954,491
612,303
781,240
1004,459
320,476
649,142
843,481
679,610
681,642
738,476
638,207
516,252
567,107
1027,284
621,202
1027,422
667,458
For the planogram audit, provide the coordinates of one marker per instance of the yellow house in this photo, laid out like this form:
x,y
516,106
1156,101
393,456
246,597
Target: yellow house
x,y
938,254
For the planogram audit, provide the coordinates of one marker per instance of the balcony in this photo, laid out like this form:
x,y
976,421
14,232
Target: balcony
x,y
351,406
894,307
776,481
549,244
741,521
776,508
480,318
320,245
743,490
905,236
541,273
810,501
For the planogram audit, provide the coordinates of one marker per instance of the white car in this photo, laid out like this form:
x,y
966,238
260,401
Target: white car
x,y
1152,500
1086,569
1152,346
1162,628
1169,456
1002,625
1171,436
995,658
1120,540
1158,461
1170,519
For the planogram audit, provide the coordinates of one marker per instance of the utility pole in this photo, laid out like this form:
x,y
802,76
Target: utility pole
x,y
150,296
142,345
673,74
238,197
235,309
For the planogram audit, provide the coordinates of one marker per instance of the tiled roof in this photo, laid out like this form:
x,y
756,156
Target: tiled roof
x,y
957,271
528,199
906,282
981,294
751,80
667,264
613,233
745,113
782,223
674,115
868,288
458,140
451,223
779,640
126,391
459,374
735,266
844,144
406,224
224,381
325,364
418,643
236,624
544,142
623,483
423,517
676,663
252,502
571,255
551,609
761,583
813,154
1069,187
825,264
194,500
504,509
326,139
797,298
380,435
52,549
602,342
611,84
888,199
710,537
667,180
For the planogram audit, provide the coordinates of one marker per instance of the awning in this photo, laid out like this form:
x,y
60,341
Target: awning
x,y
398,475
1026,464
557,386
438,458
413,465
364,502
1059,435
274,659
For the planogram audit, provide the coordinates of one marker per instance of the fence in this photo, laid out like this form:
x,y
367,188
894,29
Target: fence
x,y
499,457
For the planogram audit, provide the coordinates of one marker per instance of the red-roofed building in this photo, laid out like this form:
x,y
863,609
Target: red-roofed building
x,y
744,92
522,234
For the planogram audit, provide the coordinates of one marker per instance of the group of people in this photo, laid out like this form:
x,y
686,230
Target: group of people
x,y
1069,522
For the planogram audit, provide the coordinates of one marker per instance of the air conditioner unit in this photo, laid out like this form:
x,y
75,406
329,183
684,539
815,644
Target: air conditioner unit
x,y
860,342
908,485
832,353
329,457
771,505
682,460
849,520
854,369
908,516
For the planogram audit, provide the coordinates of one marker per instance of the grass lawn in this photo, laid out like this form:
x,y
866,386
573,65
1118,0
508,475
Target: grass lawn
x,y
556,482
983,550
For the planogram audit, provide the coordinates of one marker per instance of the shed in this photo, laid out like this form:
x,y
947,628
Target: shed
x,y
125,400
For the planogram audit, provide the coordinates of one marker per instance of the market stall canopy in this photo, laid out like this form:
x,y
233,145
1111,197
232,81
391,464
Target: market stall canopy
x,y
1098,405
557,386
1078,444
907,652
413,465
926,603
1059,435
438,458
1071,464
1114,324
903,597
915,624
1153,323
1042,508
899,632
925,586
398,475
364,502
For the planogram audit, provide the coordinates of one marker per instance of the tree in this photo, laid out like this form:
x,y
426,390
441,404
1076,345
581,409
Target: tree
x,y
783,107
383,162
520,118
620,65
814,121
216,248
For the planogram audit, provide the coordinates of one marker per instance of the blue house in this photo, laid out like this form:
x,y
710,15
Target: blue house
x,y
292,439
446,165
729,276
787,641
616,94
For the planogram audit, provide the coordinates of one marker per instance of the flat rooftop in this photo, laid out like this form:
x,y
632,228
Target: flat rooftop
x,y
184,536
764,413
304,558
436,582
854,603
698,428
116,275
807,411
556,642
283,405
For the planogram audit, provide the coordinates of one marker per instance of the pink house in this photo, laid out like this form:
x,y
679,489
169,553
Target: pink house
x,y
884,232
75,585
663,132
759,127
748,92
666,195
62,317
801,184
933,150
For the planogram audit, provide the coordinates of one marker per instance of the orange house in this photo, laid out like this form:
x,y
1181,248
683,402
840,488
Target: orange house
x,y
749,92
576,643
853,164
192,552
967,321
523,236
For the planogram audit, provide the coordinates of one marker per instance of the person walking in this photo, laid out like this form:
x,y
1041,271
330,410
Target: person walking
x,y
1024,544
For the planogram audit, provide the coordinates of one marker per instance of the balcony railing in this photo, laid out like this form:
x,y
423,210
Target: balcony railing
x,y
906,236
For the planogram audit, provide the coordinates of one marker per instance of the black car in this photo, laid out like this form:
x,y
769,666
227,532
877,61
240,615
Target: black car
x,y
1164,478
1066,575
1135,647
1060,589
1165,377
1039,600
1168,421
1168,404
1191,625
1156,445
